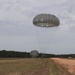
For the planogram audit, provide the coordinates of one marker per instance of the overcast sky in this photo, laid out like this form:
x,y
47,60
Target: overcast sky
x,y
18,33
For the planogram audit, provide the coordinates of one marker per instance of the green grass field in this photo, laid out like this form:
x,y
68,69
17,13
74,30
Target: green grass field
x,y
27,66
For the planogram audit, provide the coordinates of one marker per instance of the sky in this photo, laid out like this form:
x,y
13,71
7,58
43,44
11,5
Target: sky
x,y
18,33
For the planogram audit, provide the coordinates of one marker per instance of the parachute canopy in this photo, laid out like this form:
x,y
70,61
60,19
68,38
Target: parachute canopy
x,y
46,20
34,53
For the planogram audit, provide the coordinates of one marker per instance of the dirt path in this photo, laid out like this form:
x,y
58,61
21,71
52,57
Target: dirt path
x,y
66,64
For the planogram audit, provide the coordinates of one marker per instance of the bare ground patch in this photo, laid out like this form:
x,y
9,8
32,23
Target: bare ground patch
x,y
66,66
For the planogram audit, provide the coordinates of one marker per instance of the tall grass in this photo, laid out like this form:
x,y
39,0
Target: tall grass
x,y
18,66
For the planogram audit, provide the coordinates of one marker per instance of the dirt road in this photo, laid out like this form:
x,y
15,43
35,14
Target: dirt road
x,y
67,64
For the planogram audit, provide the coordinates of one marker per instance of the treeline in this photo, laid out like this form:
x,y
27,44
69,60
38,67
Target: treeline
x,y
17,54
66,56
14,54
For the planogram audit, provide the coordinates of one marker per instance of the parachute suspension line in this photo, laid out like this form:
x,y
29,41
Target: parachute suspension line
x,y
51,36
43,39
38,38
44,42
47,40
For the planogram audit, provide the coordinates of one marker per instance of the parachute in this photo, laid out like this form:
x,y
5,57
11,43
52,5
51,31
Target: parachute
x,y
34,53
44,21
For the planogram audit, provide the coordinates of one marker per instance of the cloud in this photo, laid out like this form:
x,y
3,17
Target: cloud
x,y
12,15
